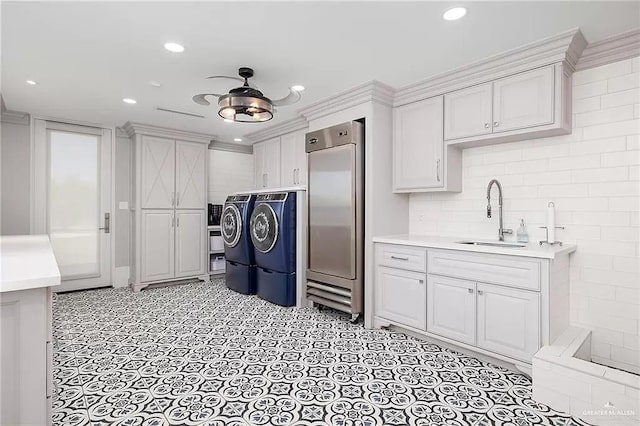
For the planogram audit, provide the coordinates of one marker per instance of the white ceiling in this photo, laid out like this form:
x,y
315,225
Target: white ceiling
x,y
87,56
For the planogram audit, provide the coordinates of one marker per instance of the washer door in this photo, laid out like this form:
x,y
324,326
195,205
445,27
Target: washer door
x,y
264,228
231,225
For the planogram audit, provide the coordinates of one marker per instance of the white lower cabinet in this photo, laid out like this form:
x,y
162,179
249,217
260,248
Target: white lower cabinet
x,y
157,235
190,243
401,296
451,308
508,321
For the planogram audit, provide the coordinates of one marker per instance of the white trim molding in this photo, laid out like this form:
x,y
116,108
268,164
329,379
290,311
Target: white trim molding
x,y
617,48
231,147
133,128
279,129
565,47
372,91
15,117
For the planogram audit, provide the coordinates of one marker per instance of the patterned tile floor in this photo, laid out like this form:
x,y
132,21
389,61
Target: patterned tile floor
x,y
201,354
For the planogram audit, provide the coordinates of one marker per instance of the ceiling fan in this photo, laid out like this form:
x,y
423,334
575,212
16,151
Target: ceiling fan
x,y
246,103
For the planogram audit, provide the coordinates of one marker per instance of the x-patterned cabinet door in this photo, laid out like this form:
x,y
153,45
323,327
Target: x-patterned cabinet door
x,y
158,173
190,175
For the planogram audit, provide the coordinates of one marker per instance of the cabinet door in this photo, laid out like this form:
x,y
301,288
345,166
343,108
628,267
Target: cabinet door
x,y
191,192
451,308
401,296
418,145
508,321
258,165
190,242
523,100
157,234
467,112
288,158
272,163
157,173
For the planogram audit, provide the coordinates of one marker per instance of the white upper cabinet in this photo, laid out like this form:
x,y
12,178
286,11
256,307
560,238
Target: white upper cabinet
x,y
508,321
190,243
258,165
158,173
266,158
191,192
468,112
523,100
418,145
293,159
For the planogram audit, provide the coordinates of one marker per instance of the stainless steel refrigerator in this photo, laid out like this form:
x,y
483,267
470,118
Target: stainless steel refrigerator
x,y
336,214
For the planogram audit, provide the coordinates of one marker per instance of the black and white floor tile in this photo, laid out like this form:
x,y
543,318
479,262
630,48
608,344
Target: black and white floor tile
x,y
200,354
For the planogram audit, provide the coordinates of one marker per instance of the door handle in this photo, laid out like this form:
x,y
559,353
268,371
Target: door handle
x,y
177,221
173,221
107,223
438,170
173,199
294,176
178,198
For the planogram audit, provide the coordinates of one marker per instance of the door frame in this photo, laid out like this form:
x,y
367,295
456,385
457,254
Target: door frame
x,y
39,175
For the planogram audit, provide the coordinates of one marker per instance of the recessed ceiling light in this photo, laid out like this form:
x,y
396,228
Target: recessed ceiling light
x,y
228,120
129,101
454,13
31,82
237,140
297,88
174,47
155,83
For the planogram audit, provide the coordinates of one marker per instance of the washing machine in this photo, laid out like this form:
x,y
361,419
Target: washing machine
x,y
273,233
240,272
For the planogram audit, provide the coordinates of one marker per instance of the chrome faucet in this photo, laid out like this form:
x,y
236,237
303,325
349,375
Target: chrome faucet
x,y
501,230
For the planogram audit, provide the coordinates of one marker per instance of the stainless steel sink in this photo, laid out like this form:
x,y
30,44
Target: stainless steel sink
x,y
493,244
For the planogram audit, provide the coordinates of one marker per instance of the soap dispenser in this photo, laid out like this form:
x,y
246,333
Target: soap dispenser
x,y
522,236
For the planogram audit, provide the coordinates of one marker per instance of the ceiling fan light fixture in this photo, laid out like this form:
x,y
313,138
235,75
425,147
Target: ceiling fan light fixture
x,y
247,106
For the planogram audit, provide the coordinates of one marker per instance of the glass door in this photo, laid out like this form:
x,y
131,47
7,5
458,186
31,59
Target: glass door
x,y
77,190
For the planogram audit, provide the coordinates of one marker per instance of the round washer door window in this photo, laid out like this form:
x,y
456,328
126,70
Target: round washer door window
x,y
231,225
264,228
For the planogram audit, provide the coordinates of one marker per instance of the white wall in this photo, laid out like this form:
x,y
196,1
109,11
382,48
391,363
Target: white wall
x,y
592,176
229,172
16,178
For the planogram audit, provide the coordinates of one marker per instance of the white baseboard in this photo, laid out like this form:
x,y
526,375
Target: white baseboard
x,y
121,278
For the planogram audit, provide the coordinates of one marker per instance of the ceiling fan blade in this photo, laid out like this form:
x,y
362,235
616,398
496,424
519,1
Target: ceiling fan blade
x,y
228,77
201,98
293,97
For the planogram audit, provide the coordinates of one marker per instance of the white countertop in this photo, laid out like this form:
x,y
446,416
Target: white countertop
x,y
267,190
533,249
26,262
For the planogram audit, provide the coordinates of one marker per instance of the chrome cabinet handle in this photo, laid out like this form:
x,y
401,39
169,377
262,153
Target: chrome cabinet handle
x,y
178,198
421,281
177,221
496,124
470,290
294,176
399,258
173,221
438,170
107,223
486,125
264,180
173,199
480,292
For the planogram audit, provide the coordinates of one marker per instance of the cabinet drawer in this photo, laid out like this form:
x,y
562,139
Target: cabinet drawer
x,y
488,268
402,257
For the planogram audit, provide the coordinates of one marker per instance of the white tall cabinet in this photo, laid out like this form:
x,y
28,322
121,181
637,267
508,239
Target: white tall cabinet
x,y
169,208
267,164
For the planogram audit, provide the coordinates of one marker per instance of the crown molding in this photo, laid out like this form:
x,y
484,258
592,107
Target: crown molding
x,y
132,129
565,47
283,128
231,147
372,91
616,48
122,133
15,117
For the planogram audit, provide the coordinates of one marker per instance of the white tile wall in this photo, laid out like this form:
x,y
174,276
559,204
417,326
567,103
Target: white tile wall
x,y
592,176
229,172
